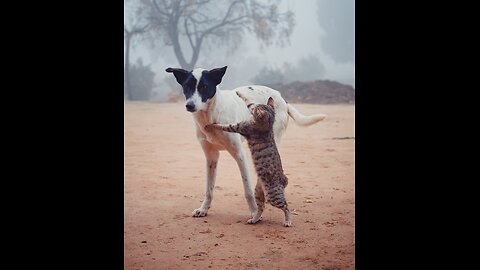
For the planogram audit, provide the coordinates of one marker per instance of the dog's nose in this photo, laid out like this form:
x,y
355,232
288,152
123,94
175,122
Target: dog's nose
x,y
190,107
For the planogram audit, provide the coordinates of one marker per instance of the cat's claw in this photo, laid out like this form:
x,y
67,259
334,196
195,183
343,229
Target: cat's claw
x,y
199,212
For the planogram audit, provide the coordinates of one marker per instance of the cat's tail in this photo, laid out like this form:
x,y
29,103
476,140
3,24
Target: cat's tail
x,y
303,120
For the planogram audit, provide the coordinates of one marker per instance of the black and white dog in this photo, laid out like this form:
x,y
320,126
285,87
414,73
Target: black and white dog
x,y
208,104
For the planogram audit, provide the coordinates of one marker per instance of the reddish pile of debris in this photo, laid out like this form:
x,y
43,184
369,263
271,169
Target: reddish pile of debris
x,y
317,92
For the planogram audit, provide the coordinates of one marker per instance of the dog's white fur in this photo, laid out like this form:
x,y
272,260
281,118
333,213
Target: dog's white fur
x,y
225,107
195,98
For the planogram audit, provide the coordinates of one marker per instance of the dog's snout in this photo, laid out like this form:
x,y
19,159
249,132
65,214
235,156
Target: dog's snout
x,y
190,107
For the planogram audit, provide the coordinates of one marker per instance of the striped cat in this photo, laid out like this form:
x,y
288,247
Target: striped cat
x,y
271,179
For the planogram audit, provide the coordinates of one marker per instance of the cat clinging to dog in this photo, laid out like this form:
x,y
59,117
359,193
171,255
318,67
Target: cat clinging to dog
x,y
258,132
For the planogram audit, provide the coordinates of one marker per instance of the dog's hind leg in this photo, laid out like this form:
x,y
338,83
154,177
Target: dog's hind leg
x,y
238,153
211,156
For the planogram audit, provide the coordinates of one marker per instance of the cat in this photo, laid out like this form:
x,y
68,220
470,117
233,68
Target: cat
x,y
271,181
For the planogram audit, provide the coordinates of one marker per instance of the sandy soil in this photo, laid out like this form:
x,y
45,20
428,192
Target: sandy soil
x,y
164,182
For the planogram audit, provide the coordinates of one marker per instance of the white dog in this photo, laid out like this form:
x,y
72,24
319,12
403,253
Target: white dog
x,y
211,105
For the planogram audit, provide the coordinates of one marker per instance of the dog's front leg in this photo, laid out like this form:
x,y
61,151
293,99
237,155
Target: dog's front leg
x,y
238,153
211,156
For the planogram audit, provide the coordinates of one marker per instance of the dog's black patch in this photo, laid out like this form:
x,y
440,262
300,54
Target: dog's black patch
x,y
207,87
185,79
189,86
250,88
180,74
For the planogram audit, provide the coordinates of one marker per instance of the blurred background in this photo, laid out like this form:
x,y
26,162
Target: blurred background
x,y
305,49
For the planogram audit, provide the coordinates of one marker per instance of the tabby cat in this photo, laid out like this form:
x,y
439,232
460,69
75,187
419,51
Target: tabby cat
x,y
271,179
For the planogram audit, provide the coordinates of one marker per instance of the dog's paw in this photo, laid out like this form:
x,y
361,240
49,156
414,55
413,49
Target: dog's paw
x,y
287,223
252,221
199,212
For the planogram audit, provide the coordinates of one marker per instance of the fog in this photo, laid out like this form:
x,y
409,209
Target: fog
x,y
324,29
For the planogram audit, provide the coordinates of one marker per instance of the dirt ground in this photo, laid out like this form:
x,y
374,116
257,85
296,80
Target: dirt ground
x,y
165,179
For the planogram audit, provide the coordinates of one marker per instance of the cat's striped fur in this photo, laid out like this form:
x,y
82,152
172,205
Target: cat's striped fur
x,y
271,179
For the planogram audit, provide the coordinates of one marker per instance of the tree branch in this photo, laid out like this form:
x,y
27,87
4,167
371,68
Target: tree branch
x,y
188,33
139,30
195,30
223,23
157,8
230,9
224,20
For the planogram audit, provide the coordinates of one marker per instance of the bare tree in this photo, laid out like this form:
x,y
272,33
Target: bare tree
x,y
219,23
129,34
136,26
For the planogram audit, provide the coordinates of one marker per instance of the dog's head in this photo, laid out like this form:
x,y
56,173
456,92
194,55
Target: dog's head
x,y
199,85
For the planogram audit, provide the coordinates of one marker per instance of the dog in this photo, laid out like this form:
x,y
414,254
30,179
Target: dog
x,y
208,104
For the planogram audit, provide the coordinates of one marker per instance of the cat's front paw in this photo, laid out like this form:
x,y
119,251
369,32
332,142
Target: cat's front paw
x,y
199,212
209,127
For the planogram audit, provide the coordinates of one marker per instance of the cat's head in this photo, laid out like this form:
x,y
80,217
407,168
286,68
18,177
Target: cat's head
x,y
263,112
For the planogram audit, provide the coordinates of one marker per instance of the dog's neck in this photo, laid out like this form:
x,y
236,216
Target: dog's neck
x,y
205,117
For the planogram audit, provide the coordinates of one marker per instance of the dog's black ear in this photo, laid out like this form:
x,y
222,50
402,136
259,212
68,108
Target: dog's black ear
x,y
215,75
180,74
270,102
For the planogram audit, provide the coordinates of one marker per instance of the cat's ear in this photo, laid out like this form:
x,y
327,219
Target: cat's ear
x,y
270,102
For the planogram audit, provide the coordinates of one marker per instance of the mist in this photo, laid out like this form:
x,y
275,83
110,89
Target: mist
x,y
324,31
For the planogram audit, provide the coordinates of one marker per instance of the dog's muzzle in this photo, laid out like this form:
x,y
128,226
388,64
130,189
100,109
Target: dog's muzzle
x,y
190,107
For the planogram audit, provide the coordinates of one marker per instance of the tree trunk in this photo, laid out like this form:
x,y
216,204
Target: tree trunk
x,y
127,67
179,53
195,53
177,49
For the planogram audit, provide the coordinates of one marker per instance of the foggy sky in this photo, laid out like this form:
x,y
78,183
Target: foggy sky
x,y
306,40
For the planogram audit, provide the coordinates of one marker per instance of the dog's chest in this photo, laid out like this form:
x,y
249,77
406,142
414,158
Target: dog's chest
x,y
202,119
215,137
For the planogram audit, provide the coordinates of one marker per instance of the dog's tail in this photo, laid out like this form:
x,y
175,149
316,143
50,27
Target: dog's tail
x,y
303,120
